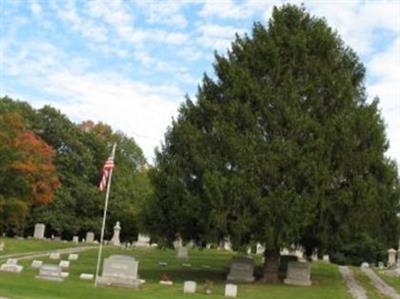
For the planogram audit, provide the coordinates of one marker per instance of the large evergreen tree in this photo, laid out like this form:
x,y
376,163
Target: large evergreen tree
x,y
281,147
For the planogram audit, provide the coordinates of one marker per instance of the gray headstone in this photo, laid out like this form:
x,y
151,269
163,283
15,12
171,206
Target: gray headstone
x,y
120,270
298,274
64,265
39,231
75,239
50,272
90,237
283,264
182,253
241,270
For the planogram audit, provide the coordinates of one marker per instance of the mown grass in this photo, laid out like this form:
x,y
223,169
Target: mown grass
x,y
394,282
327,282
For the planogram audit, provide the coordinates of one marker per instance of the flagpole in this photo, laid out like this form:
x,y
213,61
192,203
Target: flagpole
x,y
104,218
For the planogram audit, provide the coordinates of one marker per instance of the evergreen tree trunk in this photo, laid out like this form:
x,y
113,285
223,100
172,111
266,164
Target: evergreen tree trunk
x,y
271,266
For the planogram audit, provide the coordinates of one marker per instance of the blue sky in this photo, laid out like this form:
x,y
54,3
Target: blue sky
x,y
130,63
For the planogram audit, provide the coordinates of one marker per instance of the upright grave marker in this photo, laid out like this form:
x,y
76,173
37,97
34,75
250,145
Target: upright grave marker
x,y
241,270
39,231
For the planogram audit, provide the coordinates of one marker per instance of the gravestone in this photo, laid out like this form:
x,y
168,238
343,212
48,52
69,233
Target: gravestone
x,y
189,287
143,241
177,243
120,270
115,238
90,237
39,231
86,276
283,264
75,239
241,270
182,253
73,257
326,258
54,256
260,249
227,244
64,265
11,265
50,272
36,264
231,290
364,265
1,246
298,274
391,257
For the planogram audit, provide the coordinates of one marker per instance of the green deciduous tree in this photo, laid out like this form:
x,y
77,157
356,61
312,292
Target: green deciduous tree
x,y
281,147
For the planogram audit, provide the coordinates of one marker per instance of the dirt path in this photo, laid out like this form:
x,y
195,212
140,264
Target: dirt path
x,y
355,289
381,286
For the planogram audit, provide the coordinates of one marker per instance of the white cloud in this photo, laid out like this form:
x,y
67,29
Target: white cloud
x,y
35,7
217,37
166,12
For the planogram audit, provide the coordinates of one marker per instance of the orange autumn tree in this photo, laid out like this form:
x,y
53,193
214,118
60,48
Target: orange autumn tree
x,y
27,174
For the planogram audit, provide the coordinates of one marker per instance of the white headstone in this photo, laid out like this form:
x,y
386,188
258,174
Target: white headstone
x,y
120,270
11,266
231,290
260,249
54,256
227,244
39,231
364,265
182,253
36,264
50,272
143,241
115,238
90,237
391,257
298,273
86,276
73,257
177,243
326,258
241,270
189,287
64,265
75,239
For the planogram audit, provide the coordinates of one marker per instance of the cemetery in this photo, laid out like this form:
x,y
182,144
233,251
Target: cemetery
x,y
140,165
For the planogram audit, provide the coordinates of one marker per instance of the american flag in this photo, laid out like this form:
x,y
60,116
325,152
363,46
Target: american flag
x,y
108,166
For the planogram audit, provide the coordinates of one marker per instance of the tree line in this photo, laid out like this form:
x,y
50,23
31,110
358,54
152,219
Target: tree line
x,y
50,169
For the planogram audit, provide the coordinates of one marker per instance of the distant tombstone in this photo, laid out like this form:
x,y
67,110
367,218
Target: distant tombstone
x,y
231,290
75,239
36,264
39,231
11,265
326,259
90,237
260,249
283,264
64,265
73,257
381,266
1,246
58,238
189,287
298,274
50,272
241,270
143,241
86,276
54,256
208,246
391,257
227,244
182,253
177,243
115,238
120,270
364,265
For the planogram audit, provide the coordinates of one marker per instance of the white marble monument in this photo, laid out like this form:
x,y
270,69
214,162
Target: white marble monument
x,y
39,231
182,253
189,287
391,257
115,238
11,265
143,241
231,290
90,237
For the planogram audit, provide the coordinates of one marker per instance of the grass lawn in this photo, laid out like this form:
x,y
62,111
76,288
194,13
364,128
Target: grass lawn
x,y
394,282
327,282
365,282
14,246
